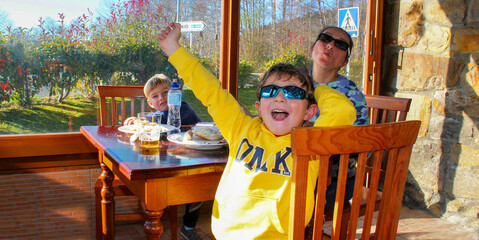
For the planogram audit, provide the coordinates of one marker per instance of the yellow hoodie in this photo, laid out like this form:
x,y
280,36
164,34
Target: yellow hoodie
x,y
253,197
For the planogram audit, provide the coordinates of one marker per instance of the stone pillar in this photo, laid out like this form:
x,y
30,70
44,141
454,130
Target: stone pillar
x,y
431,55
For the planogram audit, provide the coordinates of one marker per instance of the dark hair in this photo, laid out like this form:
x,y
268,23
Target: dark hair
x,y
351,44
286,69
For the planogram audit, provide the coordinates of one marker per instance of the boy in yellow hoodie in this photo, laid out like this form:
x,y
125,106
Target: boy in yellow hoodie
x,y
253,197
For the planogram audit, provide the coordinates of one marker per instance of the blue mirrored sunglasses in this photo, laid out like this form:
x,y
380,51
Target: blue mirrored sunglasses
x,y
290,92
339,43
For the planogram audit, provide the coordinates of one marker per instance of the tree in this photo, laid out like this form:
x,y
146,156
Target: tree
x,y
120,45
5,21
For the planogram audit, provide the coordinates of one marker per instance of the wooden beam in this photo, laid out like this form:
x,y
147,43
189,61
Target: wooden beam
x,y
46,151
374,44
12,146
229,48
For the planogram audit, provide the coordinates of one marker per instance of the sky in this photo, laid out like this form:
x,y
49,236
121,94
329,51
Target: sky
x,y
25,13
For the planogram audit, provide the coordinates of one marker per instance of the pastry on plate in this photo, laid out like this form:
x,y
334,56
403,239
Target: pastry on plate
x,y
188,136
209,133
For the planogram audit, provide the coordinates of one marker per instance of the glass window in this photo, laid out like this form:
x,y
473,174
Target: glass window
x,y
50,67
49,70
284,31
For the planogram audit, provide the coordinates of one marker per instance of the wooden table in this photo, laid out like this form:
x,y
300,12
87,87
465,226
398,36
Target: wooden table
x,y
174,175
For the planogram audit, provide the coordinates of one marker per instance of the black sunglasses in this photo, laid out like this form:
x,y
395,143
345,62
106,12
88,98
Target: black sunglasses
x,y
326,38
290,92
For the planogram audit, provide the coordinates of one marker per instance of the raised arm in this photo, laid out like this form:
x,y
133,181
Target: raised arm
x,y
169,38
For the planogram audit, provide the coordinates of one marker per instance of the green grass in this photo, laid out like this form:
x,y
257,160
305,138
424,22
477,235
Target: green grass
x,y
194,103
246,96
76,111
48,117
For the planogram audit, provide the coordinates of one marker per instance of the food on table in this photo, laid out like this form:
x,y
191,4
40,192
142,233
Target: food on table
x,y
209,133
146,126
188,136
144,122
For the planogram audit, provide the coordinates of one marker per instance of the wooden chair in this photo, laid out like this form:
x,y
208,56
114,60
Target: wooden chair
x,y
119,97
383,109
124,102
314,143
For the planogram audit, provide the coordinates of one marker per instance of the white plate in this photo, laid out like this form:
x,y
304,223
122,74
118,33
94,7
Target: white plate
x,y
205,124
133,128
197,143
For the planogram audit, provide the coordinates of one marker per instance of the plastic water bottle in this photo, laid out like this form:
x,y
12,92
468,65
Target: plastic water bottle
x,y
174,105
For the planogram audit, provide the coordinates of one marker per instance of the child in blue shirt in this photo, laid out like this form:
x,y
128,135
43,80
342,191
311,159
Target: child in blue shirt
x,y
156,92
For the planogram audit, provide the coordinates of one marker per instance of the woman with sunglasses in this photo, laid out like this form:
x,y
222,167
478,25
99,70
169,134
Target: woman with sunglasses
x,y
330,53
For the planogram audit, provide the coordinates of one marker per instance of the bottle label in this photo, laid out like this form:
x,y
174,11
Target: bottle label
x,y
174,98
174,105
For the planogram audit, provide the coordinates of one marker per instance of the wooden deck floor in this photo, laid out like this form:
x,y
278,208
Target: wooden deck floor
x,y
413,224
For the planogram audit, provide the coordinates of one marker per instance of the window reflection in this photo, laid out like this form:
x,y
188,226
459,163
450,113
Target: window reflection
x,y
49,73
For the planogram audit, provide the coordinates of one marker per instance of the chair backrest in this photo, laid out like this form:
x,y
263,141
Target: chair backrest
x,y
122,101
315,143
383,109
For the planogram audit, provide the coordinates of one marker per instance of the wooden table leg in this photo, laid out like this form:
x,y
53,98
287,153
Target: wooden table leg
x,y
107,203
153,225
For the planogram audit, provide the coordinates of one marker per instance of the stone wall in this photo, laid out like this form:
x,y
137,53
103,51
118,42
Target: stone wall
x,y
431,55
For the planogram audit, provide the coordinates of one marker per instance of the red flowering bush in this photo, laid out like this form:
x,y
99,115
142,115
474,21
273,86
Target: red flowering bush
x,y
121,48
6,91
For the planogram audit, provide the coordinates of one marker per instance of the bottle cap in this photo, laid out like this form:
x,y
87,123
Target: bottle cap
x,y
175,85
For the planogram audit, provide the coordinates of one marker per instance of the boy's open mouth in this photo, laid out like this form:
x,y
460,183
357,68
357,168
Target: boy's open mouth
x,y
279,115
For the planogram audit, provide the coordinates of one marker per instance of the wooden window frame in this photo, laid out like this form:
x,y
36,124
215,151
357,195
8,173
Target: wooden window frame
x,y
41,151
229,47
374,44
72,149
